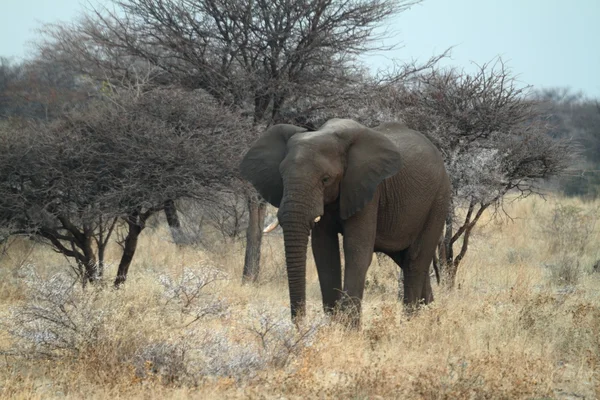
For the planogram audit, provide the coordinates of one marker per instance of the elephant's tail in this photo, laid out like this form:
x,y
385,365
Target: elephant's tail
x,y
436,269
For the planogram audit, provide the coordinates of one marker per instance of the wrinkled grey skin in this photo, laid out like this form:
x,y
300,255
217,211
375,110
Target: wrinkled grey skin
x,y
384,189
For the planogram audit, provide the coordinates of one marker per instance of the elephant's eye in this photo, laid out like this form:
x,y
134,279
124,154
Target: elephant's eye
x,y
325,179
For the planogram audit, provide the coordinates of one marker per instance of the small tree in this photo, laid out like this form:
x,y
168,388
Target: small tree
x,y
493,137
44,192
123,156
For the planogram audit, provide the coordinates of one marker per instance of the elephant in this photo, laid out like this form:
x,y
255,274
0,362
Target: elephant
x,y
384,189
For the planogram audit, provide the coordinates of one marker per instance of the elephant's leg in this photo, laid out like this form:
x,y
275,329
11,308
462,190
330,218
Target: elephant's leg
x,y
326,251
417,282
415,262
359,243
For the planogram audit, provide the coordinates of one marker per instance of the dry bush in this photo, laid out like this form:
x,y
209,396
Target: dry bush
x,y
168,335
508,332
188,290
570,228
493,138
58,319
262,340
227,213
569,231
129,153
566,270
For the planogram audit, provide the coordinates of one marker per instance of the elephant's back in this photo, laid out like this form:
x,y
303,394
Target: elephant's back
x,y
414,147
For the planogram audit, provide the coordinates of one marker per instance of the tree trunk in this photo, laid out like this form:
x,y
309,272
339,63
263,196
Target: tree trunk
x,y
452,262
256,213
81,248
451,271
447,254
104,233
173,221
101,265
135,225
90,264
262,98
278,102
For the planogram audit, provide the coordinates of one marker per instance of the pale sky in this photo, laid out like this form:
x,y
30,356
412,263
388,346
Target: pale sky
x,y
546,42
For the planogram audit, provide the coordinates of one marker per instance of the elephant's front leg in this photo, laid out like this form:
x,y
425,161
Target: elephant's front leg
x,y
326,250
359,243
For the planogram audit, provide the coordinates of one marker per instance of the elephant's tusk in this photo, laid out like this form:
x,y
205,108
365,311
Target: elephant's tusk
x,y
317,219
271,227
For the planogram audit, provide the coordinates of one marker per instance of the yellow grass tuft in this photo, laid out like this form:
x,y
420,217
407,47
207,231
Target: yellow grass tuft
x,y
515,327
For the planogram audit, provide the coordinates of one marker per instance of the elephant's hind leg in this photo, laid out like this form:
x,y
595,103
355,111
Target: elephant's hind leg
x,y
416,260
416,280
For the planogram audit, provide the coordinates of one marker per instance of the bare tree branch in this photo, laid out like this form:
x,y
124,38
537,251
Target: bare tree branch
x,y
493,136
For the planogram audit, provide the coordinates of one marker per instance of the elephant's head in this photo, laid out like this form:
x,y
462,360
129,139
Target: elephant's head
x,y
301,172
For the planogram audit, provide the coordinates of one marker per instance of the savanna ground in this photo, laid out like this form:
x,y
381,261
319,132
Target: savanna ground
x,y
523,323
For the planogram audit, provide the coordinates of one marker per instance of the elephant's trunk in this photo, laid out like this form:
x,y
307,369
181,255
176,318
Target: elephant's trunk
x,y
295,237
296,216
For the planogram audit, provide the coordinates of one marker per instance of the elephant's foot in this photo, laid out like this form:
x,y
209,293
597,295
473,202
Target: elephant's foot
x,y
411,307
332,302
347,312
417,291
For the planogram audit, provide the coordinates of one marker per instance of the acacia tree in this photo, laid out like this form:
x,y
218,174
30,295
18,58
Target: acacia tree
x,y
493,137
44,193
120,157
263,57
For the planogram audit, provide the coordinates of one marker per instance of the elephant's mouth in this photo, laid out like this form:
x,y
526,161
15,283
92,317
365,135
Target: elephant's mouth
x,y
275,224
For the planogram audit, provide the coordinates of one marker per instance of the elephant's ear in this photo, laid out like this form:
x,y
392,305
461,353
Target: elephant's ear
x,y
260,165
371,158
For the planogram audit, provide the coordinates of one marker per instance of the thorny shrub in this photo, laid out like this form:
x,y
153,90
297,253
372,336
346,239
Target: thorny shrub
x,y
59,319
570,228
261,340
279,337
566,270
188,289
569,231
489,376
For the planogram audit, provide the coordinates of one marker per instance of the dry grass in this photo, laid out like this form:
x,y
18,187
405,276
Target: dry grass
x,y
514,328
